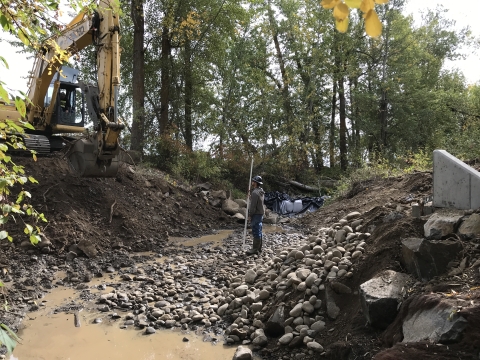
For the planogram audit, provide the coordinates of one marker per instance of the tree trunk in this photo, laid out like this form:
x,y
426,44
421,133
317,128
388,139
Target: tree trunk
x,y
343,124
281,63
165,80
332,124
188,95
138,76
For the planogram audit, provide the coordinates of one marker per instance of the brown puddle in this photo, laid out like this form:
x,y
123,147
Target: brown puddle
x,y
50,336
216,239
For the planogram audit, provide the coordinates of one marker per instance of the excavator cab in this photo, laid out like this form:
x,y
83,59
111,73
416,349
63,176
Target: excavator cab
x,y
69,108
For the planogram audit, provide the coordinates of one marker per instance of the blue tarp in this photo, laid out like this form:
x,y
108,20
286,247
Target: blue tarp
x,y
277,202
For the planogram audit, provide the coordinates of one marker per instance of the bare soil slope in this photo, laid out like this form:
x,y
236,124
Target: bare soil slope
x,y
138,209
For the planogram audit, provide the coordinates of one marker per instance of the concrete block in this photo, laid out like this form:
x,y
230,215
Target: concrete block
x,y
416,210
455,184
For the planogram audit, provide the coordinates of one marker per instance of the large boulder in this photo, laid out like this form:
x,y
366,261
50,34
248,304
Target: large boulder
x,y
241,203
470,226
332,309
440,225
428,258
380,297
230,207
275,325
440,324
88,248
218,194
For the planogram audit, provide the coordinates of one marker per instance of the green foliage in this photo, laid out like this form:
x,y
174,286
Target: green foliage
x,y
8,338
14,199
174,157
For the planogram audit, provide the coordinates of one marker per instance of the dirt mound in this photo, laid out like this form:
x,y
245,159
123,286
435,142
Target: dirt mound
x,y
138,209
365,196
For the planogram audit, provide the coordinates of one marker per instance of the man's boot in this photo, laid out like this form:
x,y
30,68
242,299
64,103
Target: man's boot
x,y
257,244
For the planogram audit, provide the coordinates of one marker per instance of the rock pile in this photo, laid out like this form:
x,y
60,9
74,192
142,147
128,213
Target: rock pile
x,y
298,272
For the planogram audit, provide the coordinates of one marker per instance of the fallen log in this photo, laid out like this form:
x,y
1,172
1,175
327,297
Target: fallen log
x,y
303,186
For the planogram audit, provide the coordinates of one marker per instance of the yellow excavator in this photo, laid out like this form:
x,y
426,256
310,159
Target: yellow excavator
x,y
58,97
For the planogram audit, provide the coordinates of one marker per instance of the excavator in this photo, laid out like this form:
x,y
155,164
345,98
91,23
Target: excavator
x,y
58,97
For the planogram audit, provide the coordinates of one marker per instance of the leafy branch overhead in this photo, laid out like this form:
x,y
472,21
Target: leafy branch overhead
x,y
341,13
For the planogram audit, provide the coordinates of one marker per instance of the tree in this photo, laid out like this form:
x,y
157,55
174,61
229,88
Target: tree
x,y
138,76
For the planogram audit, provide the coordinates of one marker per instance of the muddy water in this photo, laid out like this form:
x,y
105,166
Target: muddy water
x,y
47,335
215,239
50,336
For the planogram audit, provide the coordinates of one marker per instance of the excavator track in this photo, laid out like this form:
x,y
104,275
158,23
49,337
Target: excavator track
x,y
39,143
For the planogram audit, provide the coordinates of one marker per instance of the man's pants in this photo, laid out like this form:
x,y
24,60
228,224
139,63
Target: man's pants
x,y
256,221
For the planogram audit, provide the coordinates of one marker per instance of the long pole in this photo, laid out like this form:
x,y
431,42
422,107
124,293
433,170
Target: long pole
x,y
248,203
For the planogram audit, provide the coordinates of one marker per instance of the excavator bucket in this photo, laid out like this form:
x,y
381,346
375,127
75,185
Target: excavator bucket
x,y
84,161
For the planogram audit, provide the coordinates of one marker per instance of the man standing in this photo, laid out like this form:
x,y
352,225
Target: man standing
x,y
255,213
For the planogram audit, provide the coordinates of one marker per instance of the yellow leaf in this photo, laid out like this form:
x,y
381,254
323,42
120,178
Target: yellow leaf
x,y
341,11
373,26
367,5
342,25
353,3
329,4
381,1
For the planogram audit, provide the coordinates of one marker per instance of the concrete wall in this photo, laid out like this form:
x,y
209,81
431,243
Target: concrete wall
x,y
455,184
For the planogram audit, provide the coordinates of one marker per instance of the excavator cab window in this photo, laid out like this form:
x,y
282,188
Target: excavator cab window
x,y
69,106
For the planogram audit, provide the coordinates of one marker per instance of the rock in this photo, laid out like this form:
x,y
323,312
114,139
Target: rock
x,y
260,341
310,280
103,308
332,309
353,215
230,207
239,217
205,186
296,341
428,258
470,226
307,307
312,345
440,324
302,287
255,307
149,330
219,194
263,294
299,255
240,291
356,254
380,297
340,236
340,288
70,256
275,325
221,310
241,203
296,311
250,276
439,225
302,274
318,326
243,353
88,248
271,219
286,339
